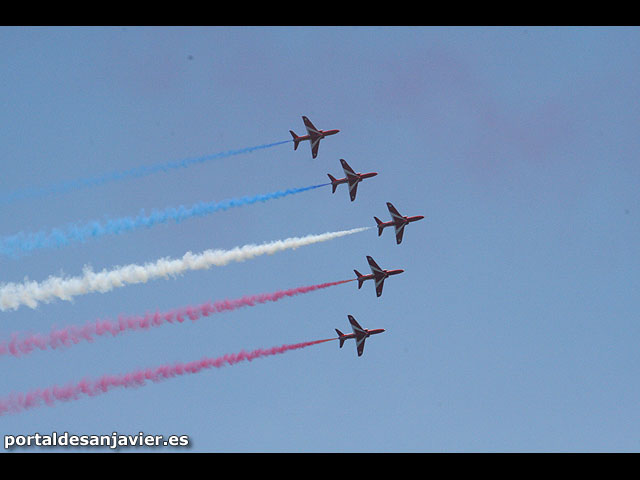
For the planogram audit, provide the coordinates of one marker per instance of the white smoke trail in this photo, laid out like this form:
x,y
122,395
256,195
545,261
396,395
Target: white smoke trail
x,y
30,293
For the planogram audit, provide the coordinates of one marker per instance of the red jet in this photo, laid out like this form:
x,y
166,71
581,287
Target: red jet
x,y
398,221
351,177
359,333
377,274
313,135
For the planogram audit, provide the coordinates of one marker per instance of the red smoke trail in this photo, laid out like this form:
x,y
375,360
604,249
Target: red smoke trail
x,y
73,334
17,402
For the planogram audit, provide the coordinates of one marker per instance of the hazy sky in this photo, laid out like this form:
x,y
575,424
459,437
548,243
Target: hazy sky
x,y
515,324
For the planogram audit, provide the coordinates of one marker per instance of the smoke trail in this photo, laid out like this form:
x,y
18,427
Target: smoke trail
x,y
74,334
30,293
13,245
137,172
18,402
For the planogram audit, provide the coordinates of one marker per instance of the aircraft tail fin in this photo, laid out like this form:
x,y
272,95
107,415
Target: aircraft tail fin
x,y
380,225
296,140
360,280
341,337
334,185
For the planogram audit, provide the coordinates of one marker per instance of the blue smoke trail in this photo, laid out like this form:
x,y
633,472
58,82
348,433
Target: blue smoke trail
x,y
137,172
21,243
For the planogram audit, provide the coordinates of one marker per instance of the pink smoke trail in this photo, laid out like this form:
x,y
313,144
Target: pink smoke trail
x,y
73,334
18,402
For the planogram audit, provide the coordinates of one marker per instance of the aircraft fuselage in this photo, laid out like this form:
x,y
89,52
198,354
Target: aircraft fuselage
x,y
404,221
383,274
321,134
368,332
393,272
358,178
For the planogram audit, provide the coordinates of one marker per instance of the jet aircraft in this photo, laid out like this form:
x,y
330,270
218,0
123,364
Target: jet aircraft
x,y
352,178
398,221
377,274
360,334
314,136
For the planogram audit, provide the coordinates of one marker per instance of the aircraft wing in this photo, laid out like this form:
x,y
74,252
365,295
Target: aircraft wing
x,y
373,265
360,334
311,130
314,135
394,213
353,190
379,285
399,232
315,143
348,171
355,326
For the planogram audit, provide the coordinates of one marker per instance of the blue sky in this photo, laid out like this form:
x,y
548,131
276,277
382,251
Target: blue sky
x,y
515,325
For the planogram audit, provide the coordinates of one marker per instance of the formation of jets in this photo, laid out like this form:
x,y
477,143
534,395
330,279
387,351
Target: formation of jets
x,y
398,222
